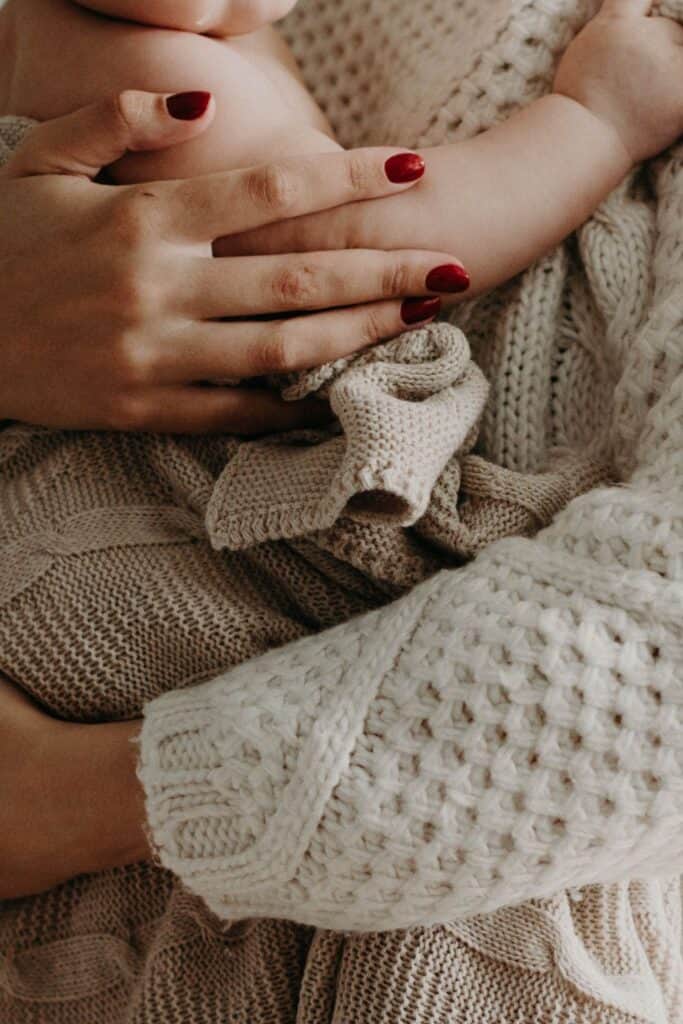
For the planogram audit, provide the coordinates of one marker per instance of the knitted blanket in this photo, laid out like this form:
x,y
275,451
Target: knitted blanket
x,y
502,732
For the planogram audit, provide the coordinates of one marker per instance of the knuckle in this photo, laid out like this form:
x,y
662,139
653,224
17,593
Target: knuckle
x,y
373,327
128,413
396,278
134,216
280,351
130,298
360,174
124,111
136,294
296,287
133,360
273,188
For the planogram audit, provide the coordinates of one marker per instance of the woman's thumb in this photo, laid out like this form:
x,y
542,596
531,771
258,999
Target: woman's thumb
x,y
93,137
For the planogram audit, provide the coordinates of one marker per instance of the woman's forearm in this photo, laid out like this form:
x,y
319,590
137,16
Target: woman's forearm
x,y
102,802
438,758
70,801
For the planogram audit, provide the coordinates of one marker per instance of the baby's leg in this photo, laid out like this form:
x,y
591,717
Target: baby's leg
x,y
66,57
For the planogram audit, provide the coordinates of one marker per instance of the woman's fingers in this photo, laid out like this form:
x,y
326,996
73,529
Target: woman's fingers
x,y
241,349
242,411
345,227
314,281
208,207
84,142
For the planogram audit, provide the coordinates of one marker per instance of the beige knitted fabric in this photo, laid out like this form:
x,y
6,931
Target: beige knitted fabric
x,y
500,733
404,409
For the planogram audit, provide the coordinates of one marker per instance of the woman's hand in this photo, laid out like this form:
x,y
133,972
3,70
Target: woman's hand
x,y
70,801
113,308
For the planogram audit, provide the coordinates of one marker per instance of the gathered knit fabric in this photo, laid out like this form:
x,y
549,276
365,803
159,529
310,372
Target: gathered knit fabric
x,y
503,732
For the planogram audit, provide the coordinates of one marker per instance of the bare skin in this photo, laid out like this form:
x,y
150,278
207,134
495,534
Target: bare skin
x,y
501,220
47,836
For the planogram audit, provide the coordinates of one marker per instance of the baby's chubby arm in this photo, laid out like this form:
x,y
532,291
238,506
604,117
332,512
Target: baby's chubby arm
x,y
65,56
504,198
208,17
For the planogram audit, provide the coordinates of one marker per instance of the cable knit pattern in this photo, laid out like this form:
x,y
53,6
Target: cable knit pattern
x,y
500,733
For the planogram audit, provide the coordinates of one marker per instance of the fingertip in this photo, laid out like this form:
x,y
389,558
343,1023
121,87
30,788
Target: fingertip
x,y
415,311
189,106
448,278
147,121
404,168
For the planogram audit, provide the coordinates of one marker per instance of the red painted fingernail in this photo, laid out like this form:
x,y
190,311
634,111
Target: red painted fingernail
x,y
188,106
414,311
404,167
448,278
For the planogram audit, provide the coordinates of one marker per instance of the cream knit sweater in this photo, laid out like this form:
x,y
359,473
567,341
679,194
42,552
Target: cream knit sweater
x,y
506,730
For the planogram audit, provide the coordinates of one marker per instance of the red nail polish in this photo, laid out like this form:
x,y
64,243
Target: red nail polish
x,y
414,311
448,278
404,167
188,106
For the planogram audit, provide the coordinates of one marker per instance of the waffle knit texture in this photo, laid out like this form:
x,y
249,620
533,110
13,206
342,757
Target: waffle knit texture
x,y
502,732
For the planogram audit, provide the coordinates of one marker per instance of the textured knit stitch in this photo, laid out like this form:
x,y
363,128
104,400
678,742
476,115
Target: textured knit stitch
x,y
500,733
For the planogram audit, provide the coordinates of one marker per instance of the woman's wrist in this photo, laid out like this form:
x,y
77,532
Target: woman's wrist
x,y
100,802
70,800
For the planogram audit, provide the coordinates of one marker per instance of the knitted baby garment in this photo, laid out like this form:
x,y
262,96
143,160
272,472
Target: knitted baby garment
x,y
499,733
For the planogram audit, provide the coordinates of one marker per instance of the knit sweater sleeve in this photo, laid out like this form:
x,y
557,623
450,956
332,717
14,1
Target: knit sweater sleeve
x,y
503,732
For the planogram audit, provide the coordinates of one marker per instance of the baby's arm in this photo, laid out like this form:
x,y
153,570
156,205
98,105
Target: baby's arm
x,y
210,17
503,199
66,56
